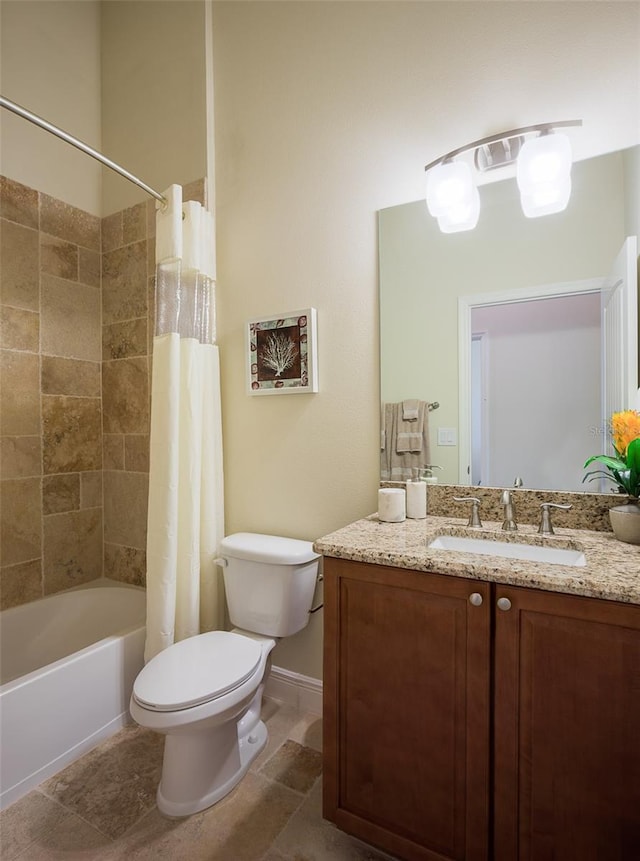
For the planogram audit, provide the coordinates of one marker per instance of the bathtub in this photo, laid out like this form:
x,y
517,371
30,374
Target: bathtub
x,y
67,667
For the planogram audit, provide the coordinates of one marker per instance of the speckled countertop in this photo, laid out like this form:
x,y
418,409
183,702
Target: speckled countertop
x,y
612,571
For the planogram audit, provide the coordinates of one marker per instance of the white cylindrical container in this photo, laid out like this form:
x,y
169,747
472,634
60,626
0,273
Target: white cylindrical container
x,y
391,504
416,500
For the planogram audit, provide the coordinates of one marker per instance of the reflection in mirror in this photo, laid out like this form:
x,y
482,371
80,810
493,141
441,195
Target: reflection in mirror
x,y
424,274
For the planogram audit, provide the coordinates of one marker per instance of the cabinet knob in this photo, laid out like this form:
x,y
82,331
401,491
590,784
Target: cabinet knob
x,y
475,598
504,604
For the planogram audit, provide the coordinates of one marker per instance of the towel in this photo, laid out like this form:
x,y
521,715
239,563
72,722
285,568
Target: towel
x,y
409,433
396,465
410,411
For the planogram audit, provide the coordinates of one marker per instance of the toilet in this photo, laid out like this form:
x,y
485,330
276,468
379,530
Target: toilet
x,y
205,693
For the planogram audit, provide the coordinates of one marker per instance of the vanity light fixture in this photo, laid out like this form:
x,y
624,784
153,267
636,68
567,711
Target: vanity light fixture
x,y
543,170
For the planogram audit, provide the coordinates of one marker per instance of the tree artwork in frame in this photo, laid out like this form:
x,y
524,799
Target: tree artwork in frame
x,y
282,354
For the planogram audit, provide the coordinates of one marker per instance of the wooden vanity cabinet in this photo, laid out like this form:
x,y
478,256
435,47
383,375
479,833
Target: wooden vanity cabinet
x,y
566,728
502,727
406,710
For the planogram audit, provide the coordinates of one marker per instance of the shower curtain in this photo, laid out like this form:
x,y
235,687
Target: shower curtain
x,y
185,520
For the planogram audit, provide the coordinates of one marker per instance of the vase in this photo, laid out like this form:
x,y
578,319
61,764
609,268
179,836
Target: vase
x,y
625,522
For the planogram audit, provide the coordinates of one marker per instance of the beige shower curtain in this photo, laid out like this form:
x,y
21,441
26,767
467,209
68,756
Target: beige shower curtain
x,y
185,521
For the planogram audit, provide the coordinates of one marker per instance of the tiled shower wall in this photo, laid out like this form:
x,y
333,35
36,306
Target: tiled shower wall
x,y
127,326
76,310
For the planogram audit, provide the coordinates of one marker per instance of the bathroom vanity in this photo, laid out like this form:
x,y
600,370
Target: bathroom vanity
x,y
480,707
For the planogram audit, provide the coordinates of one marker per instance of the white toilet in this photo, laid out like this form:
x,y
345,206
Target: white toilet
x,y
205,693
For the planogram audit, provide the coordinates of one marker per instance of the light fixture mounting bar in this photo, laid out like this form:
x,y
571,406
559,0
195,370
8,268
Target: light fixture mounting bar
x,y
540,127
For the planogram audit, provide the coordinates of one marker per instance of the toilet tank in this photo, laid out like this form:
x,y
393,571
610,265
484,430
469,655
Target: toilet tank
x,y
269,582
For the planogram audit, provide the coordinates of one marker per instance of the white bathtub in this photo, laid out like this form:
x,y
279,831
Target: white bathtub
x,y
67,667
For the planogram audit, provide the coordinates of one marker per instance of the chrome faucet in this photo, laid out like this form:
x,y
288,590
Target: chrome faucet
x,y
509,522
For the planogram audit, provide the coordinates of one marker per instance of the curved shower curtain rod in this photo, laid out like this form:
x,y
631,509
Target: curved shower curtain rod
x,y
54,130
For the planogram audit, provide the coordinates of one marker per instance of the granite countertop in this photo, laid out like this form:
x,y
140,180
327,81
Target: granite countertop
x,y
612,571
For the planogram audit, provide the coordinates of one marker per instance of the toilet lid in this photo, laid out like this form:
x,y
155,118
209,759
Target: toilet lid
x,y
196,670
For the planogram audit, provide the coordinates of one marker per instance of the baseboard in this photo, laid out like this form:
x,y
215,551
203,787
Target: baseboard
x,y
303,692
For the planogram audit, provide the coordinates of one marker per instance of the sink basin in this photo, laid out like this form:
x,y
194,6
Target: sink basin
x,y
509,550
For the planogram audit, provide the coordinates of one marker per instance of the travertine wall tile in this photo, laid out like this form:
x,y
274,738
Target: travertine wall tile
x,y
60,493
19,250
53,398
19,393
20,520
89,267
72,434
67,222
58,257
70,319
134,223
72,549
125,396
195,190
91,489
113,451
70,377
136,452
125,508
20,583
18,202
123,340
126,564
151,262
124,283
20,456
112,231
19,329
151,219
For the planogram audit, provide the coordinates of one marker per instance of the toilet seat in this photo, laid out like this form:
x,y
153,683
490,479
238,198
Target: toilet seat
x,y
196,670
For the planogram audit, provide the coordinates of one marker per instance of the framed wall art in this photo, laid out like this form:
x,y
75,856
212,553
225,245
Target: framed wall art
x,y
282,354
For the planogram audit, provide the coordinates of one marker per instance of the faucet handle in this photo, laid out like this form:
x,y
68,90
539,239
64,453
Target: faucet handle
x,y
545,527
474,516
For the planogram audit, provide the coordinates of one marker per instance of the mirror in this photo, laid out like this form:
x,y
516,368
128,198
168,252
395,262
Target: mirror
x,y
425,274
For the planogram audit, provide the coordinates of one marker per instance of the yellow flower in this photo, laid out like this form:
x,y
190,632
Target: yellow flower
x,y
625,427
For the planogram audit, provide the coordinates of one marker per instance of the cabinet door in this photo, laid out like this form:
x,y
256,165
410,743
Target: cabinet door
x,y
567,728
406,708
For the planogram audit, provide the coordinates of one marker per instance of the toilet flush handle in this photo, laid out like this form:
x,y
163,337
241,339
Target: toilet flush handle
x,y
318,606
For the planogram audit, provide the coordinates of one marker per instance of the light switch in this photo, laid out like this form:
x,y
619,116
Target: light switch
x,y
447,436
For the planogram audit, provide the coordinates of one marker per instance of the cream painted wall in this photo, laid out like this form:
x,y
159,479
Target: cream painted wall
x,y
325,113
153,95
127,78
50,64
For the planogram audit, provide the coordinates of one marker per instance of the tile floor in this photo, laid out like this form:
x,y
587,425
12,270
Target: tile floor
x,y
102,807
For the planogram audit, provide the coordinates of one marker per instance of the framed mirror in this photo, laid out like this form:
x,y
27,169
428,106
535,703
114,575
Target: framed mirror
x,y
426,275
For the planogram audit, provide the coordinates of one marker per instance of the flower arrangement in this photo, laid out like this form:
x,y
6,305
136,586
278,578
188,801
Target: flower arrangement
x,y
624,469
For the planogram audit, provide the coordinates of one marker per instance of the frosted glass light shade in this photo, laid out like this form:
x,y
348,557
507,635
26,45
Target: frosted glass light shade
x,y
449,186
461,217
544,174
546,199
